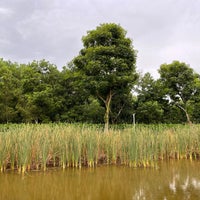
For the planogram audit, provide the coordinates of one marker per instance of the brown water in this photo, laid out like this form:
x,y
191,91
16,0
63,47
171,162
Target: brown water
x,y
178,180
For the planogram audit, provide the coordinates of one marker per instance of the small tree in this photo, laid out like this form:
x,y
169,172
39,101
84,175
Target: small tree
x,y
107,63
180,81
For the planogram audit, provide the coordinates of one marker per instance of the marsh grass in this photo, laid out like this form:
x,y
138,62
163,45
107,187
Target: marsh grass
x,y
27,147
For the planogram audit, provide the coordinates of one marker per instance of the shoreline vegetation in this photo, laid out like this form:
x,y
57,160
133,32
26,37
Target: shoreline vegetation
x,y
25,147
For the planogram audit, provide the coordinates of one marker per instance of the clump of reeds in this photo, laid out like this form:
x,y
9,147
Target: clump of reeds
x,y
39,147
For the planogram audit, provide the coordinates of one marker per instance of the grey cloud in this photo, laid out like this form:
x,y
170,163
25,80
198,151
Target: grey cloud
x,y
162,31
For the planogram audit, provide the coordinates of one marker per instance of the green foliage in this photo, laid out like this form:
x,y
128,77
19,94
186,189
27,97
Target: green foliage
x,y
9,91
149,112
122,108
99,86
93,111
107,63
173,98
40,101
74,96
180,81
150,104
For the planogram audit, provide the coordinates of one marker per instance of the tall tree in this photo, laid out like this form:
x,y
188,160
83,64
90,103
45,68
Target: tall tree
x,y
107,63
180,81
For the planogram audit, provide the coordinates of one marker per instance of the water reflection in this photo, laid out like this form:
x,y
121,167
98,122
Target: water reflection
x,y
173,180
178,186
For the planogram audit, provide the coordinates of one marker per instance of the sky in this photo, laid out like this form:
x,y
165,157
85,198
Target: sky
x,y
161,30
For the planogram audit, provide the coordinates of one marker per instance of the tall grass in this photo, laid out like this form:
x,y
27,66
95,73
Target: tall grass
x,y
38,147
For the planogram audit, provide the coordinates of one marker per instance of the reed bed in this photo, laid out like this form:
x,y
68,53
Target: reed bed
x,y
27,147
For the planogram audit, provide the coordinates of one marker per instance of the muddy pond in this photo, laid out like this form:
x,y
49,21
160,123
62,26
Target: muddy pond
x,y
172,180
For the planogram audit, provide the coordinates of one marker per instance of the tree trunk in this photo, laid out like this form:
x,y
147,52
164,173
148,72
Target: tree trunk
x,y
188,118
107,105
107,113
186,114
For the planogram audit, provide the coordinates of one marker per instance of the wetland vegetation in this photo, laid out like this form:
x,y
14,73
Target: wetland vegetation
x,y
28,147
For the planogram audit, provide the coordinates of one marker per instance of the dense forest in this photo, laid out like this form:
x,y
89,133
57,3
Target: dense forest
x,y
101,84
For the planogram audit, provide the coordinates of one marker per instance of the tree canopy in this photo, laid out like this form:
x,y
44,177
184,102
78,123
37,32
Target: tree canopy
x,y
100,85
181,83
107,63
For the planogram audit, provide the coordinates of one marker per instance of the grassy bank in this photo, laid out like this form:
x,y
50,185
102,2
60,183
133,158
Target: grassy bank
x,y
38,147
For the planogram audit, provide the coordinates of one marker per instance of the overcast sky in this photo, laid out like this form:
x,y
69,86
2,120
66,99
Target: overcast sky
x,y
161,30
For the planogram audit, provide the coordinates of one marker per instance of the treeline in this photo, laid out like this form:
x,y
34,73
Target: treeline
x,y
39,93
100,85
